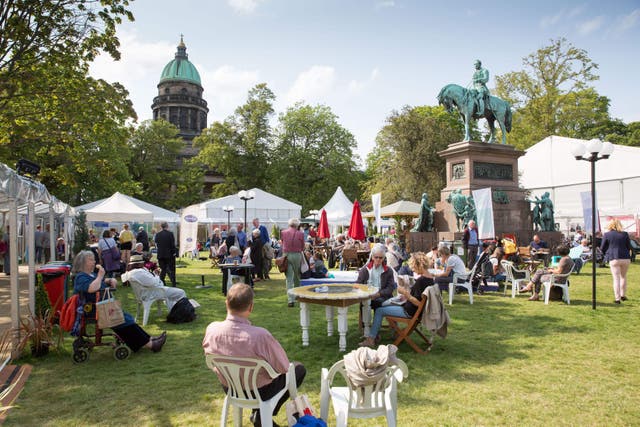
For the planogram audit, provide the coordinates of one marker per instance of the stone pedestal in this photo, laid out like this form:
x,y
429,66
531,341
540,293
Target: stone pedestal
x,y
553,238
422,241
475,165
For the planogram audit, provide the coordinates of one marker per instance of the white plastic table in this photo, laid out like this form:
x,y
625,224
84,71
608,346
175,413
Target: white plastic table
x,y
340,295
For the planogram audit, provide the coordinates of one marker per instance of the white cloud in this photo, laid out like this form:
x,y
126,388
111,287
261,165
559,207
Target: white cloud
x,y
629,21
225,88
548,21
588,27
312,84
244,6
576,11
383,4
357,86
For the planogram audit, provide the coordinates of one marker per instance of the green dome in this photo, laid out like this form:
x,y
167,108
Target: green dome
x,y
180,68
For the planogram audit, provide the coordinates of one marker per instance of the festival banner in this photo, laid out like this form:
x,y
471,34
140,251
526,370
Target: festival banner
x,y
585,196
484,213
375,202
189,230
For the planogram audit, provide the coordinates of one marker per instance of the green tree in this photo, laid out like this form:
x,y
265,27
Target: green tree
x,y
311,156
51,111
238,148
155,145
405,162
80,233
552,94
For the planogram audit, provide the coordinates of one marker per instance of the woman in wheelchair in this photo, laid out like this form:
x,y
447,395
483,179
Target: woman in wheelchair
x,y
89,280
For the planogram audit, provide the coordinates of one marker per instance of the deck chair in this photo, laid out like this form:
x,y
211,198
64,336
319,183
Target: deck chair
x,y
560,280
524,252
241,375
465,281
145,297
404,334
370,401
515,277
350,259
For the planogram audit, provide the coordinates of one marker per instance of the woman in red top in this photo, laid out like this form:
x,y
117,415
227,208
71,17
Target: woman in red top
x,y
292,247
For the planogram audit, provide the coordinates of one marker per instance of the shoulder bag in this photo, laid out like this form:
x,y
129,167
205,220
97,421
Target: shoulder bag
x,y
111,258
109,311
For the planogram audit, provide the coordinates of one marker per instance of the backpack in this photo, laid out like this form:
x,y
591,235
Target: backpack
x,y
68,313
182,312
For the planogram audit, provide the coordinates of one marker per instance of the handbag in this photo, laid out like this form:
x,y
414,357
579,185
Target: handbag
x,y
282,263
111,258
300,412
109,311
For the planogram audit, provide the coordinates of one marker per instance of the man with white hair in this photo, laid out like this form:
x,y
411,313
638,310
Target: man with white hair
x,y
292,247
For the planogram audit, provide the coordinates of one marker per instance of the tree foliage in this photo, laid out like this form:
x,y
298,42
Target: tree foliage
x,y
312,155
238,148
51,111
552,94
405,162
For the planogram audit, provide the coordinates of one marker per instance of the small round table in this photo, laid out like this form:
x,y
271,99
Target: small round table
x,y
340,295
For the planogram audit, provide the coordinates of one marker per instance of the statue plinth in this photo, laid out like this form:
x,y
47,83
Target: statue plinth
x,y
422,241
475,165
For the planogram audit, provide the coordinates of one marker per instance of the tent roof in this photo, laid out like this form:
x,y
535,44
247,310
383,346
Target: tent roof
x,y
338,208
399,208
550,163
118,208
21,189
159,214
266,206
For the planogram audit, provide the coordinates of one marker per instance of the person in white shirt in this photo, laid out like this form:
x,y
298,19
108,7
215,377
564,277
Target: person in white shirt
x,y
136,272
451,263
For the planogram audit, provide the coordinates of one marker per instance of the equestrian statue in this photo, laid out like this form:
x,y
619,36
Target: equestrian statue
x,y
477,103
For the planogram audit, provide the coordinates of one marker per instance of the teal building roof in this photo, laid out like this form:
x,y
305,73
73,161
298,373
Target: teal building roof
x,y
180,68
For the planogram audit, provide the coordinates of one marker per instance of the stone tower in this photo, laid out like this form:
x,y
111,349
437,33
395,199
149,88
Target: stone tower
x,y
179,99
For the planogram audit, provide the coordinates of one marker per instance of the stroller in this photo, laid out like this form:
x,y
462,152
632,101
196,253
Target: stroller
x,y
88,335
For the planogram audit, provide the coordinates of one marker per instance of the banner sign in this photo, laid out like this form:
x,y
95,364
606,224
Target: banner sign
x,y
484,213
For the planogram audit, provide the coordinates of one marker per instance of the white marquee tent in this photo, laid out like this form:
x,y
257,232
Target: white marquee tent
x,y
338,208
267,207
122,208
550,166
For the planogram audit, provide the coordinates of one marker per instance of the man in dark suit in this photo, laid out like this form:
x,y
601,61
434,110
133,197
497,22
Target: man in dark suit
x,y
167,252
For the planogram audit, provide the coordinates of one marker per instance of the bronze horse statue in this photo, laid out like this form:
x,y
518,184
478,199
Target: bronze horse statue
x,y
453,95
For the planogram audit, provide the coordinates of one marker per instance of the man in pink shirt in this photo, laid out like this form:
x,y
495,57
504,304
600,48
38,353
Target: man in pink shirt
x,y
292,247
236,336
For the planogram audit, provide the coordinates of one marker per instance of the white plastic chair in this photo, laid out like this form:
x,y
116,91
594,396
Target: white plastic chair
x,y
462,280
564,284
370,401
145,297
241,375
231,278
511,272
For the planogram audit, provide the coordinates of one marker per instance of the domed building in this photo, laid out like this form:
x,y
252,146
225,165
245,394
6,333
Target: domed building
x,y
179,99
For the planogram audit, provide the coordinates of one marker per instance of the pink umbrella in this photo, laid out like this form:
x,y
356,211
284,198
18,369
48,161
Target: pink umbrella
x,y
323,227
356,228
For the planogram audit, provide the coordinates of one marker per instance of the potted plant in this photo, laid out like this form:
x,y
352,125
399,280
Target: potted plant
x,y
39,332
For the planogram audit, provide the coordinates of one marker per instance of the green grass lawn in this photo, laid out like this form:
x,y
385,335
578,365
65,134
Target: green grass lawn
x,y
505,362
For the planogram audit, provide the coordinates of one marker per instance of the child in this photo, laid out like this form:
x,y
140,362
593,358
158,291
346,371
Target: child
x,y
319,270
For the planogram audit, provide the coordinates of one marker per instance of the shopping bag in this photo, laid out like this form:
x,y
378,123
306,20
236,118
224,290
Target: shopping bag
x,y
297,408
282,263
109,311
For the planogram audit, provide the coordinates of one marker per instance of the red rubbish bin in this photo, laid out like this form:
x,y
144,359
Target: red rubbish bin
x,y
54,279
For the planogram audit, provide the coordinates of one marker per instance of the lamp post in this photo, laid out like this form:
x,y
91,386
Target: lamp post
x,y
314,213
595,150
246,196
228,209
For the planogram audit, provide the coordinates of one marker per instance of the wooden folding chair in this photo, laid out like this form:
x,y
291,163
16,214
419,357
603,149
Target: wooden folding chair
x,y
403,334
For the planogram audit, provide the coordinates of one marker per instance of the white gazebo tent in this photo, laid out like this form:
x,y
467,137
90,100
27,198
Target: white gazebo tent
x,y
118,208
339,209
118,200
550,167
19,193
267,207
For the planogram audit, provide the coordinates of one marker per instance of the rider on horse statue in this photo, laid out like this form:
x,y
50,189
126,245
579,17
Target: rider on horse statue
x,y
480,90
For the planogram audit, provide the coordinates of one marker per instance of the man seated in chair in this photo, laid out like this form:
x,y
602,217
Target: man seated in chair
x,y
136,272
237,337
544,274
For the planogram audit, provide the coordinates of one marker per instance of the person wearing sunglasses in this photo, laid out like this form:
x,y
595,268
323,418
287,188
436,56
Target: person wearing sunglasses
x,y
377,274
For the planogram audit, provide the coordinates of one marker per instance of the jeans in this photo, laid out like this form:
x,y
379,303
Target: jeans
x,y
388,310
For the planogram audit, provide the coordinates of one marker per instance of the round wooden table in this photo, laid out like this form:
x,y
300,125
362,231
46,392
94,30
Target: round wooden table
x,y
340,295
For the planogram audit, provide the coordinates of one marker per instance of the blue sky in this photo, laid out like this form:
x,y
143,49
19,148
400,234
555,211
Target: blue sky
x,y
366,58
